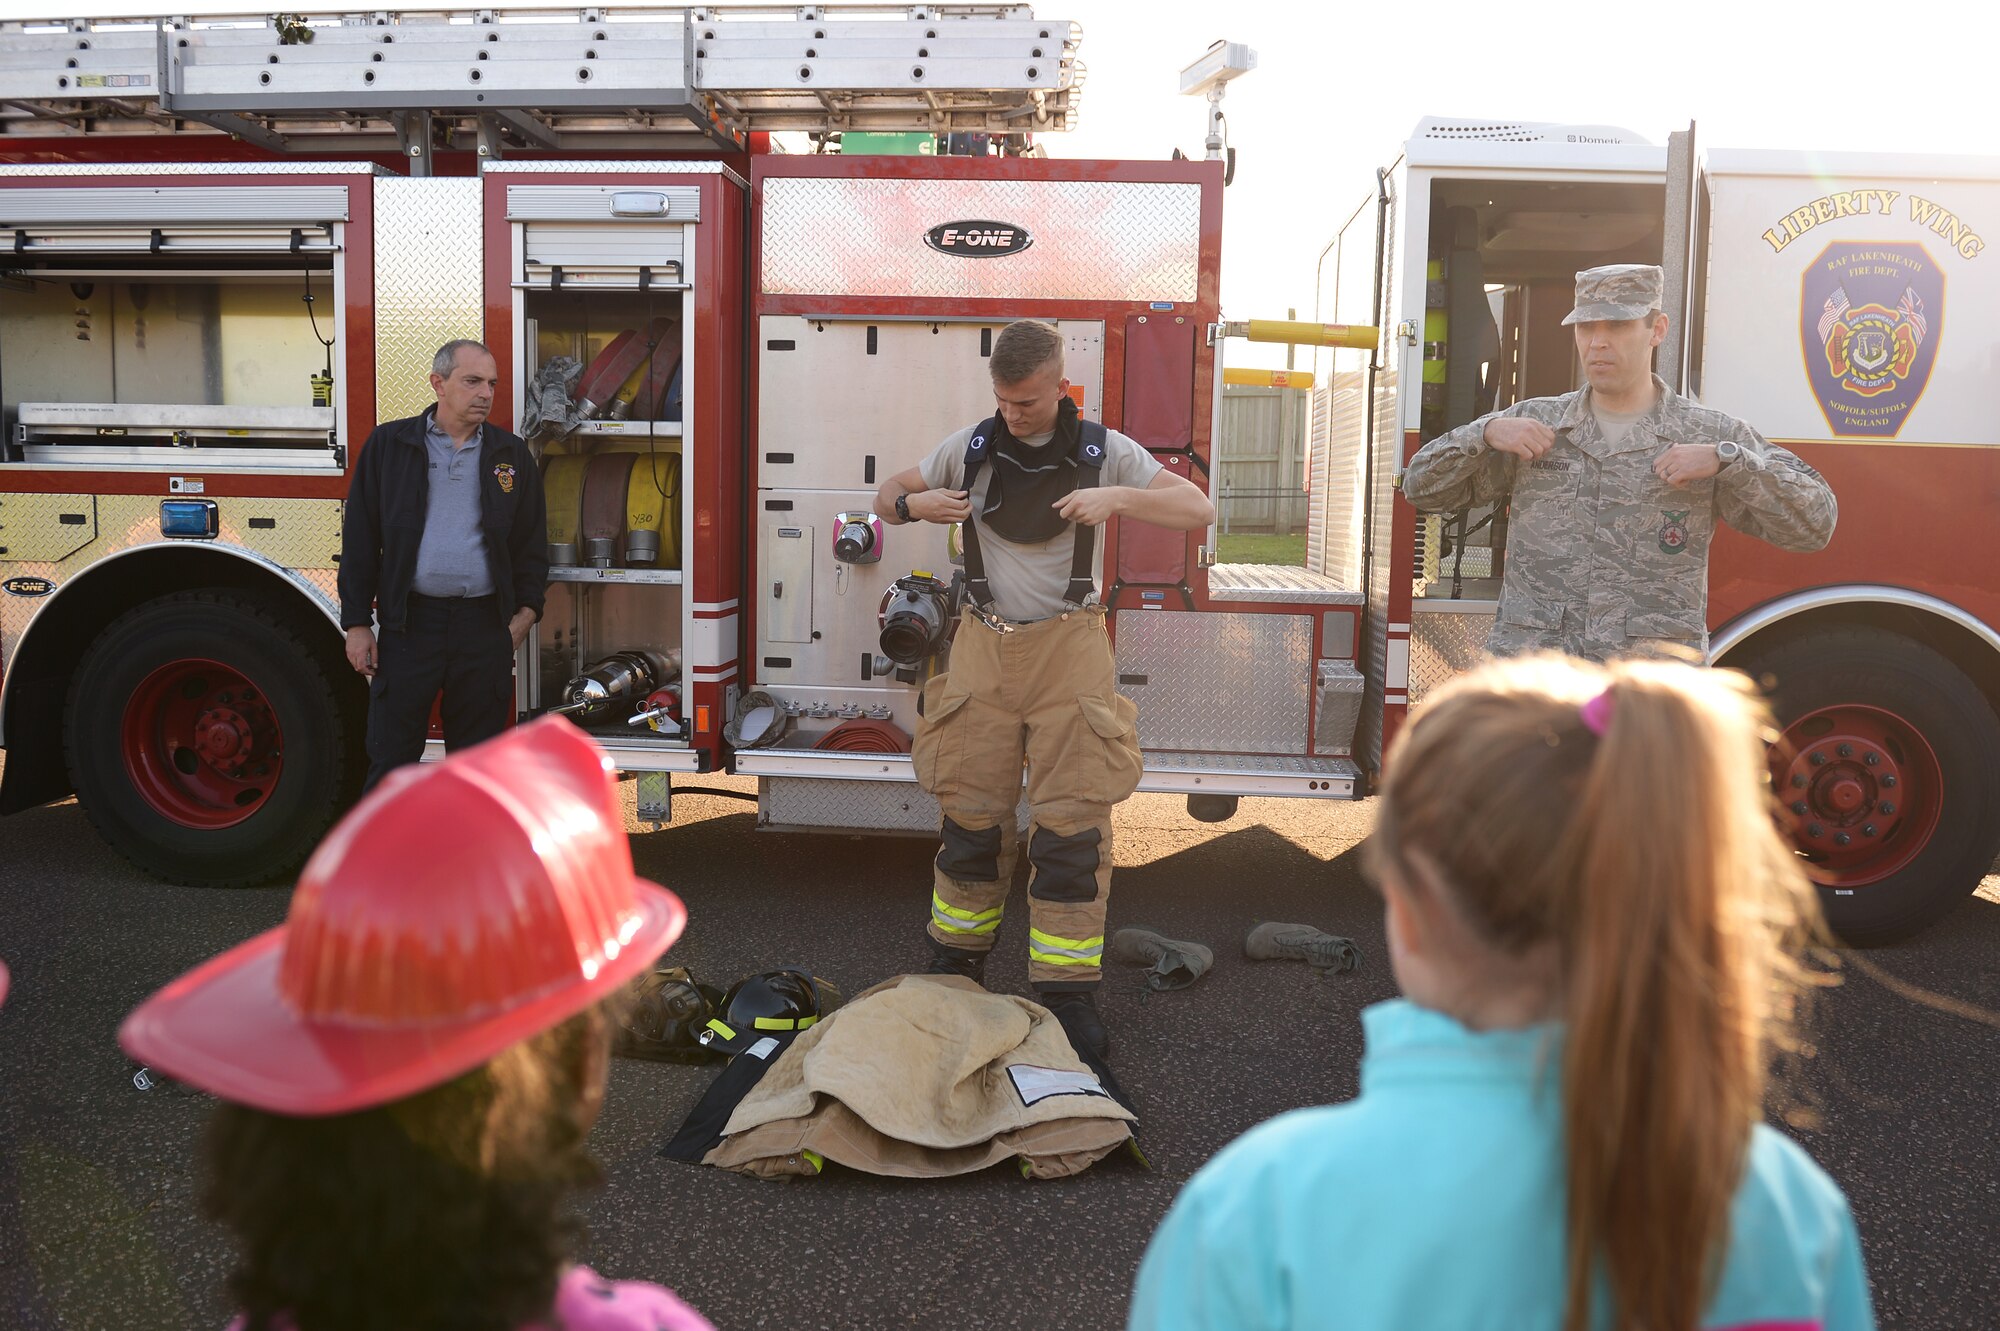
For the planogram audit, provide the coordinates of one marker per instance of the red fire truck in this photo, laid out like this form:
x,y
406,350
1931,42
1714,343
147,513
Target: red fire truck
x,y
229,247
1843,305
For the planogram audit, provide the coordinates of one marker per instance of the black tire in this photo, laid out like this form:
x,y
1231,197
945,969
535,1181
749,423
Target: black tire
x,y
261,645
1871,668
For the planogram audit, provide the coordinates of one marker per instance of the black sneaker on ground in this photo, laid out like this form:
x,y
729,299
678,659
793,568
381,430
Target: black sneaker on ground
x,y
1077,1011
958,961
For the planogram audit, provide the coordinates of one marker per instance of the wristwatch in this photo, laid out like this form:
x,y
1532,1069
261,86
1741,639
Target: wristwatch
x,y
1727,452
903,508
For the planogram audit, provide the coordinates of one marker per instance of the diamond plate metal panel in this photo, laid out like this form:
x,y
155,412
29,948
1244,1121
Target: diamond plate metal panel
x,y
301,543
33,527
1444,644
1339,706
325,581
1224,683
1093,240
297,533
428,274
820,803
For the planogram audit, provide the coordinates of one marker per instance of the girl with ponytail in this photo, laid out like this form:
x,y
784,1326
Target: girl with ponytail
x,y
1598,930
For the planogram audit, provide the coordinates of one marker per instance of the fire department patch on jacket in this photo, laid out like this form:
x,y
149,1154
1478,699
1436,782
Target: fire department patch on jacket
x,y
1673,532
504,473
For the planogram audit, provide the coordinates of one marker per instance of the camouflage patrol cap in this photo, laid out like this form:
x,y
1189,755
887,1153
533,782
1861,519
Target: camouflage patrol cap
x,y
1617,291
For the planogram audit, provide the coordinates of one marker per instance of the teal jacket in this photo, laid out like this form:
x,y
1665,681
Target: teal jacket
x,y
1435,1200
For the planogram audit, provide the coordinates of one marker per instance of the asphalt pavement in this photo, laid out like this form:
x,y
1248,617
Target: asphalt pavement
x,y
98,1227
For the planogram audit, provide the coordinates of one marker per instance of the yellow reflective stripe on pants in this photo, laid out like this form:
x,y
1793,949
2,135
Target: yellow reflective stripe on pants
x,y
954,920
1065,951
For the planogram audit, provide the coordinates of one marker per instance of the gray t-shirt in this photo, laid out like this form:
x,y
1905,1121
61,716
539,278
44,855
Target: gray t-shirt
x,y
1615,425
451,557
1029,580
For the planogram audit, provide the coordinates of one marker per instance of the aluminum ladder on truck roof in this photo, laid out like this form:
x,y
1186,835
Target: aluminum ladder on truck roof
x,y
589,79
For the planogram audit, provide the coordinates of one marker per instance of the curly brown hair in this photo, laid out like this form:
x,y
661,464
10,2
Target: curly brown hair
x,y
444,1210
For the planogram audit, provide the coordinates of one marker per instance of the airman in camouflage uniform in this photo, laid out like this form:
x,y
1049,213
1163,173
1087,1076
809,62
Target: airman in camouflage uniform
x,y
1615,490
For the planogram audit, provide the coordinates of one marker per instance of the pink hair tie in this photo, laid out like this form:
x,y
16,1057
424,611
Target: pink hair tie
x,y
1597,713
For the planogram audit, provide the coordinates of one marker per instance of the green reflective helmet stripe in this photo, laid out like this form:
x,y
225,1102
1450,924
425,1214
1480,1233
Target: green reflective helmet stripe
x,y
783,1023
722,1028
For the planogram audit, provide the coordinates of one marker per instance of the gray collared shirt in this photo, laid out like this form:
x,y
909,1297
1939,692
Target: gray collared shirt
x,y
451,559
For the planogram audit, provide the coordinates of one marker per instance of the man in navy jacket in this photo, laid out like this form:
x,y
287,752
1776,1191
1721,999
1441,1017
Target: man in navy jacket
x,y
445,543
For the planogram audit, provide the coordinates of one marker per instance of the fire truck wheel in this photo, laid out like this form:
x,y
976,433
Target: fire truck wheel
x,y
1888,776
204,741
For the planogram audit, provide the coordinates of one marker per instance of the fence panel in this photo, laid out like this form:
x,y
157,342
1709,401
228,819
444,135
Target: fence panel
x,y
1260,472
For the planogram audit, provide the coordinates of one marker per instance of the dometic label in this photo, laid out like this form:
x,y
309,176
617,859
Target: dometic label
x,y
978,239
1870,318
28,586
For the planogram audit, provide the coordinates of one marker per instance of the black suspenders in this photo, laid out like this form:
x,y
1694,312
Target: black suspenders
x,y
1090,445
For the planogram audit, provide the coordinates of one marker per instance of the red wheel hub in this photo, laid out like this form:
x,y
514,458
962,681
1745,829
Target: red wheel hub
x,y
201,744
1861,790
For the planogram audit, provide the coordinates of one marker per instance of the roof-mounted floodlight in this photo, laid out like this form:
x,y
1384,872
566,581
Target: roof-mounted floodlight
x,y
1219,64
1207,77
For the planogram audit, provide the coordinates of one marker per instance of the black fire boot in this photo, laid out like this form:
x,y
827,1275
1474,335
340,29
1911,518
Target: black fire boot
x,y
1076,1009
957,961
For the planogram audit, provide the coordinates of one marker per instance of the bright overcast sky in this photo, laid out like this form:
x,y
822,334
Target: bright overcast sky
x,y
1339,86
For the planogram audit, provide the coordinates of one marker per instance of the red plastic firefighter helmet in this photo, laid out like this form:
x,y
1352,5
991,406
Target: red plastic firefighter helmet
x,y
458,910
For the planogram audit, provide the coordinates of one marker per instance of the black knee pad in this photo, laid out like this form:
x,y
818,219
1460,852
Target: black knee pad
x,y
968,856
1065,866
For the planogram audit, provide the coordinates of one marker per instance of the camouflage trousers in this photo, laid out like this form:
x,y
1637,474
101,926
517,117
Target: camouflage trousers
x,y
1044,695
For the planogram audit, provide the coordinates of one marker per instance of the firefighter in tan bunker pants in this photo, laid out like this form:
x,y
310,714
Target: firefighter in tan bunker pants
x,y
1031,675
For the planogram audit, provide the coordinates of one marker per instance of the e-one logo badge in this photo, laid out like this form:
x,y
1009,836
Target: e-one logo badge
x,y
27,586
978,239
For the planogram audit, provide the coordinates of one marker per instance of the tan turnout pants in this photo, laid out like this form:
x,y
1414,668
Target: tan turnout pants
x,y
1044,694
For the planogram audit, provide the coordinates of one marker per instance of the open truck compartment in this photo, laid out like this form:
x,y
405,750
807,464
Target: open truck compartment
x,y
608,269
159,328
